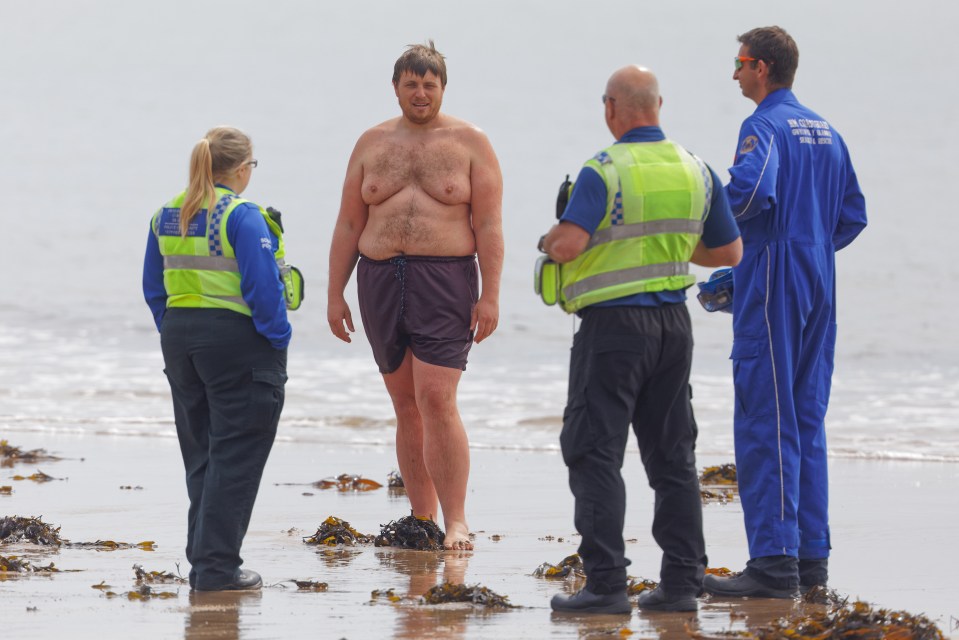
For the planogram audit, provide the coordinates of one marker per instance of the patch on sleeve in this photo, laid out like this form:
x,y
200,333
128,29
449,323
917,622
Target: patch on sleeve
x,y
265,243
749,143
603,158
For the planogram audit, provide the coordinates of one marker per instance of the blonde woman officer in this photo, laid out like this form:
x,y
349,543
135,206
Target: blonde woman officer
x,y
211,279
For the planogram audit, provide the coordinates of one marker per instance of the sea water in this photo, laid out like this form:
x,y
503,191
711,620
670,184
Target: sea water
x,y
102,100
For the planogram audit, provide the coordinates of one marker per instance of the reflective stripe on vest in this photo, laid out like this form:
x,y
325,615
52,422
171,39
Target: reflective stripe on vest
x,y
658,195
206,263
610,278
639,229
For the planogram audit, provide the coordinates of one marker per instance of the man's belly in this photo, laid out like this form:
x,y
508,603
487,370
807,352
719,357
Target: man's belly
x,y
420,226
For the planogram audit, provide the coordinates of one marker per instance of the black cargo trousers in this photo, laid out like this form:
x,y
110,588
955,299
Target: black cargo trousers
x,y
630,365
228,390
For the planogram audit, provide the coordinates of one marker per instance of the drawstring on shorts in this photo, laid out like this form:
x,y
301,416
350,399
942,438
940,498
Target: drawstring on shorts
x,y
400,263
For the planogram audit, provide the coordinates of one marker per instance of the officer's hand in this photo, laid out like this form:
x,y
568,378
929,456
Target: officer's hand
x,y
340,319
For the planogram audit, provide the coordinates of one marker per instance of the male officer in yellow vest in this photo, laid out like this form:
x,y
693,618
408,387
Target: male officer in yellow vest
x,y
640,211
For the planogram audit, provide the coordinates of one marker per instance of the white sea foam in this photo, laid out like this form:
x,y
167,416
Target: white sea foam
x,y
78,388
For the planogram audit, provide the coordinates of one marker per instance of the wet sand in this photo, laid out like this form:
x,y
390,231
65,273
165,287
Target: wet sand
x,y
893,533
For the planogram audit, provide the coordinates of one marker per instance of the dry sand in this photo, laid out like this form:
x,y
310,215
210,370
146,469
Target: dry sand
x,y
893,531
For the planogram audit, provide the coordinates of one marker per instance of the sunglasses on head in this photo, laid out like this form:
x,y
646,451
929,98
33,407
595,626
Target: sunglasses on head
x,y
739,60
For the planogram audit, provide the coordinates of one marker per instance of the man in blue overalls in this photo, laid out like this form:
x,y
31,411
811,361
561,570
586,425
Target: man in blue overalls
x,y
795,196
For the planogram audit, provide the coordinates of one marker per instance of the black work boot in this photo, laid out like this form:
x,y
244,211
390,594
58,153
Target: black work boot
x,y
743,586
813,572
243,580
585,601
766,577
659,600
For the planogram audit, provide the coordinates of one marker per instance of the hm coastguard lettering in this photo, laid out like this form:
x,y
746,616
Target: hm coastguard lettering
x,y
810,131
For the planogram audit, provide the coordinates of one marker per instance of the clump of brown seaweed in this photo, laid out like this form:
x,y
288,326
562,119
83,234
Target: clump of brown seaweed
x,y
395,480
17,528
38,477
722,572
111,545
570,567
476,594
310,585
858,621
334,531
636,586
723,474
35,530
389,594
13,564
6,490
10,455
820,594
145,592
411,532
156,577
722,496
722,479
348,482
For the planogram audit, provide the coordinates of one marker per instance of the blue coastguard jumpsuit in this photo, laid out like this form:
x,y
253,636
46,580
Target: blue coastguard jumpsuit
x,y
630,365
227,373
797,201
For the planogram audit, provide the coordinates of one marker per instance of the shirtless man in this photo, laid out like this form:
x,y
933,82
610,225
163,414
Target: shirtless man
x,y
422,196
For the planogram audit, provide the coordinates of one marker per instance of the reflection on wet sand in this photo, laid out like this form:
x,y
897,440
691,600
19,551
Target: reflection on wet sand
x,y
741,614
334,557
216,614
714,617
425,570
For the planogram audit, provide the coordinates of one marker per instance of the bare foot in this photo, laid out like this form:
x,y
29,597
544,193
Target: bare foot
x,y
458,537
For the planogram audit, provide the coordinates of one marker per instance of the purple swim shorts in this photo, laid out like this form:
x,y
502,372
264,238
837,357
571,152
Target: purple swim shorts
x,y
422,303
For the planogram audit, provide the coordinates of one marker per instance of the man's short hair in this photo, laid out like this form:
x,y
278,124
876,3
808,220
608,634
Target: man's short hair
x,y
778,49
418,59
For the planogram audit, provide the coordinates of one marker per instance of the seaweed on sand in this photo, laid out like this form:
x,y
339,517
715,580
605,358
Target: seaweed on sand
x,y
723,474
13,564
395,480
143,593
310,585
722,496
111,545
411,532
859,621
722,479
569,567
156,577
10,455
39,476
16,528
722,572
449,592
389,594
6,490
334,531
348,482
820,594
35,530
638,585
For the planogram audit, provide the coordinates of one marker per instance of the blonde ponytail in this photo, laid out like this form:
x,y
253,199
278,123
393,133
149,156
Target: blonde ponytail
x,y
221,151
200,191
